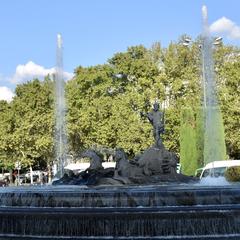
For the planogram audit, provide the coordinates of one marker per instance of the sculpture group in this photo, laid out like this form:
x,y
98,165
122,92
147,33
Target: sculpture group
x,y
155,165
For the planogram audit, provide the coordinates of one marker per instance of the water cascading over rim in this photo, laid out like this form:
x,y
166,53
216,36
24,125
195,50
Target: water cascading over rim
x,y
60,110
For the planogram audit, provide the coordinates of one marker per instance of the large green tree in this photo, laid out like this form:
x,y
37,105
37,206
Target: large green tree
x,y
105,103
228,70
188,142
33,122
7,142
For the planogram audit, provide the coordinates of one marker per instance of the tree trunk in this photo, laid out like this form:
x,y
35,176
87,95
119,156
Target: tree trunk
x,y
31,174
49,173
11,176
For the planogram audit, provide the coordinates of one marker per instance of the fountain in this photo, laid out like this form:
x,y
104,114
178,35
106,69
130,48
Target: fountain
x,y
214,142
142,198
60,111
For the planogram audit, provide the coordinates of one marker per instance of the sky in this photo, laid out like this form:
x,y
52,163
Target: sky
x,y
94,30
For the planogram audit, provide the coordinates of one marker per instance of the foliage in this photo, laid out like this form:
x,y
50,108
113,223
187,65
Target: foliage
x,y
7,146
29,124
188,147
105,102
232,174
228,69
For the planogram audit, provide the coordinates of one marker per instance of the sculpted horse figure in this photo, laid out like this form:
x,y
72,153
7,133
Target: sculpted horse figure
x,y
95,160
124,168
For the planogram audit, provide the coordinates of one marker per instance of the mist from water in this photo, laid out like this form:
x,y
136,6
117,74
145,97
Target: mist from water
x,y
213,181
214,141
60,110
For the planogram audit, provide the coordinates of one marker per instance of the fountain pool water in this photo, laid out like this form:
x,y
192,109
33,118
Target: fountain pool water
x,y
213,181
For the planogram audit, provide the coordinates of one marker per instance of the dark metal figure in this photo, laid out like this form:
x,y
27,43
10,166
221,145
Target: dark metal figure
x,y
156,118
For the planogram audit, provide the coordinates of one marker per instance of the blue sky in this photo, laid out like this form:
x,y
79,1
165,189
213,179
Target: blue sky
x,y
93,30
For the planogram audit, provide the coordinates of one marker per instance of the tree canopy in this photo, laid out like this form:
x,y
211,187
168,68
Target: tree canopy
x,y
105,102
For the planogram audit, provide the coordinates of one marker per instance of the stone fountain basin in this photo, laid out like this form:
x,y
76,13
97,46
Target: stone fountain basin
x,y
124,212
119,196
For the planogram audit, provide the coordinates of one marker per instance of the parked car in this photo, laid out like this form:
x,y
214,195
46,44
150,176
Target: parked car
x,y
22,179
27,177
4,182
217,168
198,172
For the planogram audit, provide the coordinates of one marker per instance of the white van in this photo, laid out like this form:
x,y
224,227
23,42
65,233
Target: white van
x,y
218,168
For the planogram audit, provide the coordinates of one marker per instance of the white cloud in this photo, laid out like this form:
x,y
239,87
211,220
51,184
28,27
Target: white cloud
x,y
226,26
6,94
32,70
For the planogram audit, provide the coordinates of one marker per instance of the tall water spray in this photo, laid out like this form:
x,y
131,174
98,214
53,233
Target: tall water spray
x,y
214,142
60,110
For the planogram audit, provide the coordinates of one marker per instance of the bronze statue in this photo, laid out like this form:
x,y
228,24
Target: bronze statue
x,y
155,165
125,168
95,160
156,118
